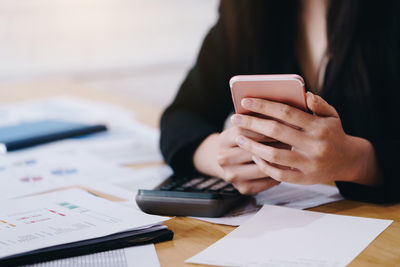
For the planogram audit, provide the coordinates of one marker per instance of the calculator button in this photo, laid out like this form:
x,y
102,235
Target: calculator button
x,y
207,183
218,186
193,182
230,189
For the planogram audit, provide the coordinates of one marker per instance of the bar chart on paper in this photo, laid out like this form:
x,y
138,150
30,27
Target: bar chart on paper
x,y
64,217
35,172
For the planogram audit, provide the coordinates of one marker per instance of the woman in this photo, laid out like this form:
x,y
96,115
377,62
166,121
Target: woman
x,y
348,53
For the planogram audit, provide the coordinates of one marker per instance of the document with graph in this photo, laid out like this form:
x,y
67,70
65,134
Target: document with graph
x,y
64,217
26,173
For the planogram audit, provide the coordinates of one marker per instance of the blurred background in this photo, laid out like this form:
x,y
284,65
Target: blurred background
x,y
139,49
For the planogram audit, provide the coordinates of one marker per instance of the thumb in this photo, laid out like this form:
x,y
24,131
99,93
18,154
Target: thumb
x,y
320,107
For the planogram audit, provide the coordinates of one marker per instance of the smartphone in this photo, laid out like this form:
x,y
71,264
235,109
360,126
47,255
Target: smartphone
x,y
284,88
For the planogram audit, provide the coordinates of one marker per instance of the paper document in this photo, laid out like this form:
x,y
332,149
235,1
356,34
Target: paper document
x,y
127,141
62,217
143,256
135,144
65,108
126,187
278,236
25,173
285,195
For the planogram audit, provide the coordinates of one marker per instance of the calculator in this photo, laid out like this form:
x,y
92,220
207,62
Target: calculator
x,y
199,196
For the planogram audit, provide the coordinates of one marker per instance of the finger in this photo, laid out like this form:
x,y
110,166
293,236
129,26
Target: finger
x,y
280,111
237,173
253,187
233,156
273,129
281,175
271,154
229,136
320,107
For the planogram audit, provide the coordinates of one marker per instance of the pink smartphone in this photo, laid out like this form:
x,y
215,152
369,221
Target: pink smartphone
x,y
284,88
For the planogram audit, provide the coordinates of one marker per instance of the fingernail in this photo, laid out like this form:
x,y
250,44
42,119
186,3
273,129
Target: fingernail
x,y
240,140
247,102
236,119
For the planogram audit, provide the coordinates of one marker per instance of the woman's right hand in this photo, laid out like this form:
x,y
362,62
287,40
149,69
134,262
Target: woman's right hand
x,y
218,155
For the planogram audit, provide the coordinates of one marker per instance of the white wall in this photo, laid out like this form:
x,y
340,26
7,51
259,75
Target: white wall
x,y
112,44
51,36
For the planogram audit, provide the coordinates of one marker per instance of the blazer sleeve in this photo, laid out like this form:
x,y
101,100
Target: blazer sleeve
x,y
385,139
201,105
388,192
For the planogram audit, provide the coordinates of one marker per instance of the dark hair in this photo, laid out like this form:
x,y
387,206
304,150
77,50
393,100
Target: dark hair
x,y
363,45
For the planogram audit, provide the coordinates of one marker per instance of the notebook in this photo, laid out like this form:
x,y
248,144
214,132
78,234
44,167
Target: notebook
x,y
28,134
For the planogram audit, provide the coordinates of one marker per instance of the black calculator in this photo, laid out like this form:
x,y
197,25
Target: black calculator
x,y
199,196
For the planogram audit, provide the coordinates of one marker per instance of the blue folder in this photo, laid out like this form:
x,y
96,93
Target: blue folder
x,y
28,134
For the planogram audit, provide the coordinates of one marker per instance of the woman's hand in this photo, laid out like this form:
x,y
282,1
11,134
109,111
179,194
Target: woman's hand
x,y
321,150
219,155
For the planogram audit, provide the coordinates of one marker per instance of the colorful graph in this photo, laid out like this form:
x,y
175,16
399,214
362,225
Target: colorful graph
x,y
64,171
71,206
30,179
25,162
36,216
30,161
33,217
56,212
68,205
88,212
7,225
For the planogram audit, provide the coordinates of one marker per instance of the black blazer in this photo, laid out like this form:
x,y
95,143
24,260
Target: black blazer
x,y
203,101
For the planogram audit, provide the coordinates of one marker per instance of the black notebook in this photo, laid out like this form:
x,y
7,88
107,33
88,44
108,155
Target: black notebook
x,y
115,241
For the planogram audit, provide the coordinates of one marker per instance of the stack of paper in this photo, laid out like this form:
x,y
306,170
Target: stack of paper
x,y
64,217
26,173
50,220
126,142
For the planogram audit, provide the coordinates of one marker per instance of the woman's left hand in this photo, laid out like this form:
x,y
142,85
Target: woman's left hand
x,y
321,150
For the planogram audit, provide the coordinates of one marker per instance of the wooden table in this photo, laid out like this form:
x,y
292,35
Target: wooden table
x,y
192,236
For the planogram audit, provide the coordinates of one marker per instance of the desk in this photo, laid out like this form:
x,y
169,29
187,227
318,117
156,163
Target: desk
x,y
192,236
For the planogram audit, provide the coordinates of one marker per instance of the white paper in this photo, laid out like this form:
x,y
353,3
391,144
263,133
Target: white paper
x,y
278,236
26,173
65,108
63,217
285,195
126,187
147,178
127,141
143,256
136,143
131,146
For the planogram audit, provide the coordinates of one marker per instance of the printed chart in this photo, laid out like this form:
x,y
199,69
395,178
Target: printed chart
x,y
62,217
